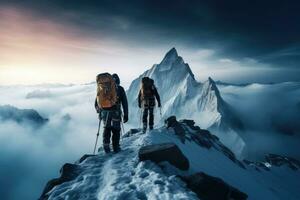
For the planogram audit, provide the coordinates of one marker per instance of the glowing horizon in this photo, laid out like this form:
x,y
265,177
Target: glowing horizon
x,y
36,49
39,51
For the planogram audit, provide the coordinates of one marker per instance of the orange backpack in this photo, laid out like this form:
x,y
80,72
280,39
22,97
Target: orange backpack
x,y
106,91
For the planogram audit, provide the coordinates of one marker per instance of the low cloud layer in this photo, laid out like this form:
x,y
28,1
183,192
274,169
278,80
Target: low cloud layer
x,y
270,114
30,157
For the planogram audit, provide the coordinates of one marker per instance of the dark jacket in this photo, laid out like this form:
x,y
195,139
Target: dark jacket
x,y
152,101
122,100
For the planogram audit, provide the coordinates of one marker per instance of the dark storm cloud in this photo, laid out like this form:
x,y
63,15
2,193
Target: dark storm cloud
x,y
263,30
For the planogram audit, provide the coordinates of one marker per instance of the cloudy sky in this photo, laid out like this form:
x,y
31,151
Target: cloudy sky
x,y
70,42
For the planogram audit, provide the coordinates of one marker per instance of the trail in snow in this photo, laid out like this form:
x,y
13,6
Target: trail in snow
x,y
121,176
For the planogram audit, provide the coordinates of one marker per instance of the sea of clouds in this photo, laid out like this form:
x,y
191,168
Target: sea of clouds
x,y
271,115
31,156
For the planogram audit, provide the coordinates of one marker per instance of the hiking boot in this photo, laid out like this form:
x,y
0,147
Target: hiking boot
x,y
106,148
151,127
144,130
117,149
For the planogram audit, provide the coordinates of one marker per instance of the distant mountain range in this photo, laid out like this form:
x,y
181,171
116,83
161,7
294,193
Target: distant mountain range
x,y
28,116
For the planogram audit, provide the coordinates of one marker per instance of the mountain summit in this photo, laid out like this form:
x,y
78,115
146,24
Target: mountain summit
x,y
171,63
183,96
171,53
170,57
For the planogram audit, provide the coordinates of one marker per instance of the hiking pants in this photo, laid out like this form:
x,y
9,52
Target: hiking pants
x,y
115,136
112,127
148,111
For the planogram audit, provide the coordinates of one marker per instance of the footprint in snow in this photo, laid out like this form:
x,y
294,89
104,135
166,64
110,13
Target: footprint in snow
x,y
159,182
141,195
144,175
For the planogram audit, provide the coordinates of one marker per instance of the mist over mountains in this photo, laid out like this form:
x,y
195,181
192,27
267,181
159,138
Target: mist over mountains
x,y
27,116
253,120
270,115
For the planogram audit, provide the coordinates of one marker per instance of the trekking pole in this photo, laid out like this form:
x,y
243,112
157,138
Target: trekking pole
x,y
123,130
160,108
122,125
141,110
97,136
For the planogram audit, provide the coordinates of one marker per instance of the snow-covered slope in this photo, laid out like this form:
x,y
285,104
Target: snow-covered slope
x,y
122,176
183,96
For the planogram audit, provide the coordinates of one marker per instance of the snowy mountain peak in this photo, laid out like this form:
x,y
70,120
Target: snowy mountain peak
x,y
171,54
183,96
174,63
211,100
211,80
210,85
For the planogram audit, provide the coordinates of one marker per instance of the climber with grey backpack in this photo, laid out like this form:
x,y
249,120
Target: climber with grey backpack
x,y
146,100
112,106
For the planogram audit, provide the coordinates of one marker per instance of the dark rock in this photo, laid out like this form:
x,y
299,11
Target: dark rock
x,y
178,128
274,160
188,122
131,132
134,131
212,188
84,157
67,173
262,165
256,165
164,152
186,130
278,160
202,141
171,121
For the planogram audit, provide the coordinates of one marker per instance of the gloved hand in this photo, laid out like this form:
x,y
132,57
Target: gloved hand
x,y
125,118
159,104
140,105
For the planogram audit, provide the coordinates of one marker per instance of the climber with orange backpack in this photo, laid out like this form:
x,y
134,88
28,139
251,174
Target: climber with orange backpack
x,y
109,100
146,99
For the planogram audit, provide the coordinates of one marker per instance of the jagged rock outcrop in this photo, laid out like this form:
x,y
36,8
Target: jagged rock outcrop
x,y
212,188
84,157
131,132
274,160
278,160
165,152
186,130
67,173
